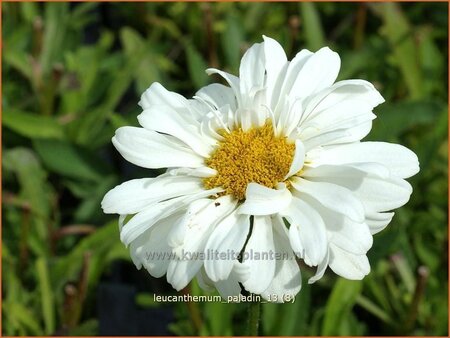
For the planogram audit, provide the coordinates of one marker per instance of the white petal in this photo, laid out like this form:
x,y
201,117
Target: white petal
x,y
177,235
195,172
260,243
348,265
332,196
204,282
338,136
377,221
343,111
229,288
321,268
232,80
217,95
401,161
341,91
136,253
296,241
350,115
156,94
145,219
375,193
150,149
330,137
200,222
318,72
229,116
211,124
350,98
343,114
275,60
198,226
152,249
169,121
288,121
287,279
135,195
307,232
355,171
384,195
180,272
227,239
260,200
260,112
371,168
198,108
299,159
287,78
241,271
351,236
348,235
122,219
251,73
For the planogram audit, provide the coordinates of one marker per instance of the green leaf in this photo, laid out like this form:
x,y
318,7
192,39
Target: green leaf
x,y
23,315
312,26
99,243
89,208
131,41
298,323
232,39
15,56
196,66
30,11
69,160
405,272
339,305
31,125
47,301
83,14
55,29
432,61
374,309
220,325
428,147
32,178
393,119
147,69
118,120
398,31
289,319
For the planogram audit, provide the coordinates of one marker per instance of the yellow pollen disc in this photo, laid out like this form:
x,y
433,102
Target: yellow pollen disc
x,y
255,155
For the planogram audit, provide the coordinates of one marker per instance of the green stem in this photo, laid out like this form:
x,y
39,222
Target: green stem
x,y
254,312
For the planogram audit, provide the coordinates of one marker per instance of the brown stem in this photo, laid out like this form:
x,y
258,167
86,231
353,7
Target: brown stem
x,y
38,36
208,18
361,19
74,296
423,273
73,229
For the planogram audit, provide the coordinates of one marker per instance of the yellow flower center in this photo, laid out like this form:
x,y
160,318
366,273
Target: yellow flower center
x,y
255,155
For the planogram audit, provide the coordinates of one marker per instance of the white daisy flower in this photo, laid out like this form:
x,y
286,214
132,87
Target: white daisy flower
x,y
271,166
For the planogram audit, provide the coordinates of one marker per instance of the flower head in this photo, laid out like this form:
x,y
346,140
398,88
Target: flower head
x,y
260,173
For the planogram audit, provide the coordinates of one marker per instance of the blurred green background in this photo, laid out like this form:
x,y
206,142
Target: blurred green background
x,y
74,72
